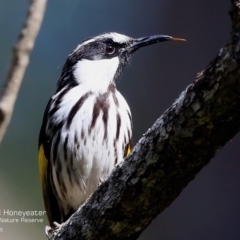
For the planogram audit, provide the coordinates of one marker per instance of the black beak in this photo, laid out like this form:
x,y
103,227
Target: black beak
x,y
145,41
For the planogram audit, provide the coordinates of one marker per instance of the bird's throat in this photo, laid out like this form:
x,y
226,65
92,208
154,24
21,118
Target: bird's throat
x,y
96,75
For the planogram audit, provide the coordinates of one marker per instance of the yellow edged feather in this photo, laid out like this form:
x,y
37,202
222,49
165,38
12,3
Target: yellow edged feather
x,y
42,162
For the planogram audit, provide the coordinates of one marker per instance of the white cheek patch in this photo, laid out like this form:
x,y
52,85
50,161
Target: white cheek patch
x,y
96,75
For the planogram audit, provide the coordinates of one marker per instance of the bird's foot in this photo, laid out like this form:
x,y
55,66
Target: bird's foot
x,y
101,180
52,231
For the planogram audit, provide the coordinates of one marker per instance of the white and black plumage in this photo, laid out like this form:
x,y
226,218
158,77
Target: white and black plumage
x,y
87,125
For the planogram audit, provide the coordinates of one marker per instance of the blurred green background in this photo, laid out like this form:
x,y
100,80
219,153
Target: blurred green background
x,y
209,207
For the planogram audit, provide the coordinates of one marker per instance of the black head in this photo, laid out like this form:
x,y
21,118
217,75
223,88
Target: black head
x,y
109,46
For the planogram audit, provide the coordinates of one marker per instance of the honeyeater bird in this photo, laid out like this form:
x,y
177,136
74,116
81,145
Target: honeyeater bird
x,y
87,124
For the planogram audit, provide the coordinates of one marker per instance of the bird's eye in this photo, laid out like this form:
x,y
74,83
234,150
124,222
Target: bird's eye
x,y
110,49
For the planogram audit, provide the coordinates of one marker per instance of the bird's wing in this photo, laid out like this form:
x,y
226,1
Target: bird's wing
x,y
128,149
45,169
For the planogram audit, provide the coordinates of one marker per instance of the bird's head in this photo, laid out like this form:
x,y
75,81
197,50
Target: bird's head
x,y
98,61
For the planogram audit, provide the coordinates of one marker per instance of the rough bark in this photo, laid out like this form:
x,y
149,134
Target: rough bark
x,y
179,144
20,59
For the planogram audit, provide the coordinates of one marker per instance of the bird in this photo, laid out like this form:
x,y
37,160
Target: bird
x,y
87,124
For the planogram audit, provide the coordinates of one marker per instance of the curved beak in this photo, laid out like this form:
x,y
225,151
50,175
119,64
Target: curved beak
x,y
145,41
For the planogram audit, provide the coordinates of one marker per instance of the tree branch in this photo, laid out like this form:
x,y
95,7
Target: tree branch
x,y
179,144
19,63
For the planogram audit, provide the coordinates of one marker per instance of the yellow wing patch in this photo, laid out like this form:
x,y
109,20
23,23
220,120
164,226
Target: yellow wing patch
x,y
128,150
42,163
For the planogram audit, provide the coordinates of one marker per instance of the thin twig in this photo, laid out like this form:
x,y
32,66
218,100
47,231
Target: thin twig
x,y
20,60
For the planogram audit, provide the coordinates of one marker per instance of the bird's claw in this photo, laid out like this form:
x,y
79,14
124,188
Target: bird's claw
x,y
52,231
101,180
